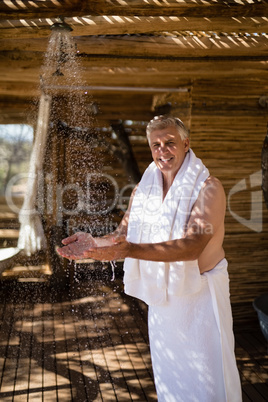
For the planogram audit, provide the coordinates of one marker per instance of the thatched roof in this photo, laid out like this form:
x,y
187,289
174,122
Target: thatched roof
x,y
129,48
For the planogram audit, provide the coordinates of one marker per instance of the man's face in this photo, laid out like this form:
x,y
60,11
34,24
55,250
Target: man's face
x,y
168,150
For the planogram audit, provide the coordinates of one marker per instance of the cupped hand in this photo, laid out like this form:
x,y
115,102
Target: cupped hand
x,y
76,245
109,249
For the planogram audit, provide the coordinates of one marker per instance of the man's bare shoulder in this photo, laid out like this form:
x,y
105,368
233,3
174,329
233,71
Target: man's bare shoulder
x,y
213,186
212,197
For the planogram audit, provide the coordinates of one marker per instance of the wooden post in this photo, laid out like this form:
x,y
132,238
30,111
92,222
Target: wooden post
x,y
178,104
125,153
53,183
264,165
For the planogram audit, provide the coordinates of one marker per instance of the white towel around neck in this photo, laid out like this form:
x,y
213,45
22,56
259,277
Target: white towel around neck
x,y
153,220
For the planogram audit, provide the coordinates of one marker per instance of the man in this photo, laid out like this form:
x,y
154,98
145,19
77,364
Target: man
x,y
171,238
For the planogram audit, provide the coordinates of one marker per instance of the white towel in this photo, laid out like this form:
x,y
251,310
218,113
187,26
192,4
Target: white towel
x,y
218,282
31,236
179,331
153,220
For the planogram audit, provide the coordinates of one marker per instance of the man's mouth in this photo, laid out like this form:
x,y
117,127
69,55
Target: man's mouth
x,y
165,159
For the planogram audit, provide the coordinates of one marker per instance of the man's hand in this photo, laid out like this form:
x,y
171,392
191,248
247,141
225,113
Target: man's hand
x,y
112,248
76,245
82,245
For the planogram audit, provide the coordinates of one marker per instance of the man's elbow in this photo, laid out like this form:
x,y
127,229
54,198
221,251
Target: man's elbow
x,y
196,247
193,255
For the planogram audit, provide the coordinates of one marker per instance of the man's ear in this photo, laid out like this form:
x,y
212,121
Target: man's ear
x,y
186,144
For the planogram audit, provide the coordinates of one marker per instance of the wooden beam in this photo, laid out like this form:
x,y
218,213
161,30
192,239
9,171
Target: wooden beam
x,y
49,8
176,104
124,152
234,97
120,25
264,165
16,110
147,46
174,46
21,79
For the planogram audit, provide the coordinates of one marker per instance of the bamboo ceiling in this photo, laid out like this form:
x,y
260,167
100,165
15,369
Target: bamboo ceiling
x,y
132,49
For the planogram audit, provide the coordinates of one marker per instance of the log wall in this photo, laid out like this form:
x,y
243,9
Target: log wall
x,y
227,132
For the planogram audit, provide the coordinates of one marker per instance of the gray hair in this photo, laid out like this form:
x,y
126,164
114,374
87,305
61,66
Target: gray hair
x,y
161,122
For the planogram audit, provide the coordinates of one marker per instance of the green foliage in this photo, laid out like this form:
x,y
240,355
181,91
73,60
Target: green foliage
x,y
15,151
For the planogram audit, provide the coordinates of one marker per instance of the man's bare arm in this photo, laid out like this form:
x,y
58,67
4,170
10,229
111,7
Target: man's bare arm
x,y
76,246
206,218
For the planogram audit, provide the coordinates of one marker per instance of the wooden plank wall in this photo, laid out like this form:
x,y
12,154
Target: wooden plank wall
x,y
227,132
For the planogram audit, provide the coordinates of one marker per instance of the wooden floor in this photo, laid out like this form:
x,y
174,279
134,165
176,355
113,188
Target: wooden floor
x,y
88,342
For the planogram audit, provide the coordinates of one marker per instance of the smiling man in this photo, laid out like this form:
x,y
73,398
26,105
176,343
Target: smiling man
x,y
171,239
168,151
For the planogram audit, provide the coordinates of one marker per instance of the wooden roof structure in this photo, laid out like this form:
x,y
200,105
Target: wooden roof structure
x,y
131,50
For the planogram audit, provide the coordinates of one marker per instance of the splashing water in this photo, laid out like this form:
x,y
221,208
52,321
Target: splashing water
x,y
60,60
75,273
73,130
31,236
72,152
113,265
62,77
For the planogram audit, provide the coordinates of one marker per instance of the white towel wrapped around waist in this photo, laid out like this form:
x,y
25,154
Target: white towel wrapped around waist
x,y
153,220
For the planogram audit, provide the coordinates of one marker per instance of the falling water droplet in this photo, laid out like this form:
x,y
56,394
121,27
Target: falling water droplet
x,y
113,265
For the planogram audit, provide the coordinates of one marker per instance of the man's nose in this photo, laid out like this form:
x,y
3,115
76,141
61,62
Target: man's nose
x,y
163,148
